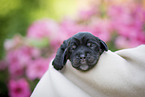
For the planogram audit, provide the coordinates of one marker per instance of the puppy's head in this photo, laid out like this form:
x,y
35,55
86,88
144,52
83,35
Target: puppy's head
x,y
83,50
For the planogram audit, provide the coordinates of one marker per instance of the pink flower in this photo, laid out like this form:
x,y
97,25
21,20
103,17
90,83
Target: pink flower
x,y
37,68
19,58
101,29
98,27
69,27
87,14
15,70
43,28
10,44
56,41
122,42
129,24
19,88
47,28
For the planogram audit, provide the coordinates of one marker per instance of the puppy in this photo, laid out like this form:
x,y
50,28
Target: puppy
x,y
82,49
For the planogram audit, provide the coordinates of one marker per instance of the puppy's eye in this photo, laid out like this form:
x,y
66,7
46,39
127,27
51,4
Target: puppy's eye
x,y
91,44
73,47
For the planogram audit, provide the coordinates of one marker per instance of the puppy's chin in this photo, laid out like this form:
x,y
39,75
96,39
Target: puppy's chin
x,y
84,66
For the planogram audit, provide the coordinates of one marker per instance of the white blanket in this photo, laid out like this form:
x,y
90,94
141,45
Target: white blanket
x,y
117,74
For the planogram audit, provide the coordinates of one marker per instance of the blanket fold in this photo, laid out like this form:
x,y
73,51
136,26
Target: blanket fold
x,y
117,74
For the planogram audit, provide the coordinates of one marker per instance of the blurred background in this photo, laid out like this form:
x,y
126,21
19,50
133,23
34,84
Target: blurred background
x,y
32,30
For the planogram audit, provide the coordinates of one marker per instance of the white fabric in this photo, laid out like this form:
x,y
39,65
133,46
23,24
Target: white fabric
x,y
117,74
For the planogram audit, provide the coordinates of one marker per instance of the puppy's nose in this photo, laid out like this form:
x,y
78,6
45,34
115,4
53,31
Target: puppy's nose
x,y
82,56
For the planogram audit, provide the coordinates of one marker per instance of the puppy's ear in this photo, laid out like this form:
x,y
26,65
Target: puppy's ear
x,y
61,56
103,45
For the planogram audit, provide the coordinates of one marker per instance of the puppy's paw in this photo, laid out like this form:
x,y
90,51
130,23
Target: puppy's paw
x,y
57,65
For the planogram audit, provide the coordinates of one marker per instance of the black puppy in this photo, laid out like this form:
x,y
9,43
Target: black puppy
x,y
83,50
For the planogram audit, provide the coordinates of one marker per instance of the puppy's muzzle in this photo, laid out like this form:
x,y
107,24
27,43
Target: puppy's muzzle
x,y
82,59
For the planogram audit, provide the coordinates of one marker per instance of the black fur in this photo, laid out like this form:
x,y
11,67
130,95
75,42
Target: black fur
x,y
82,49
